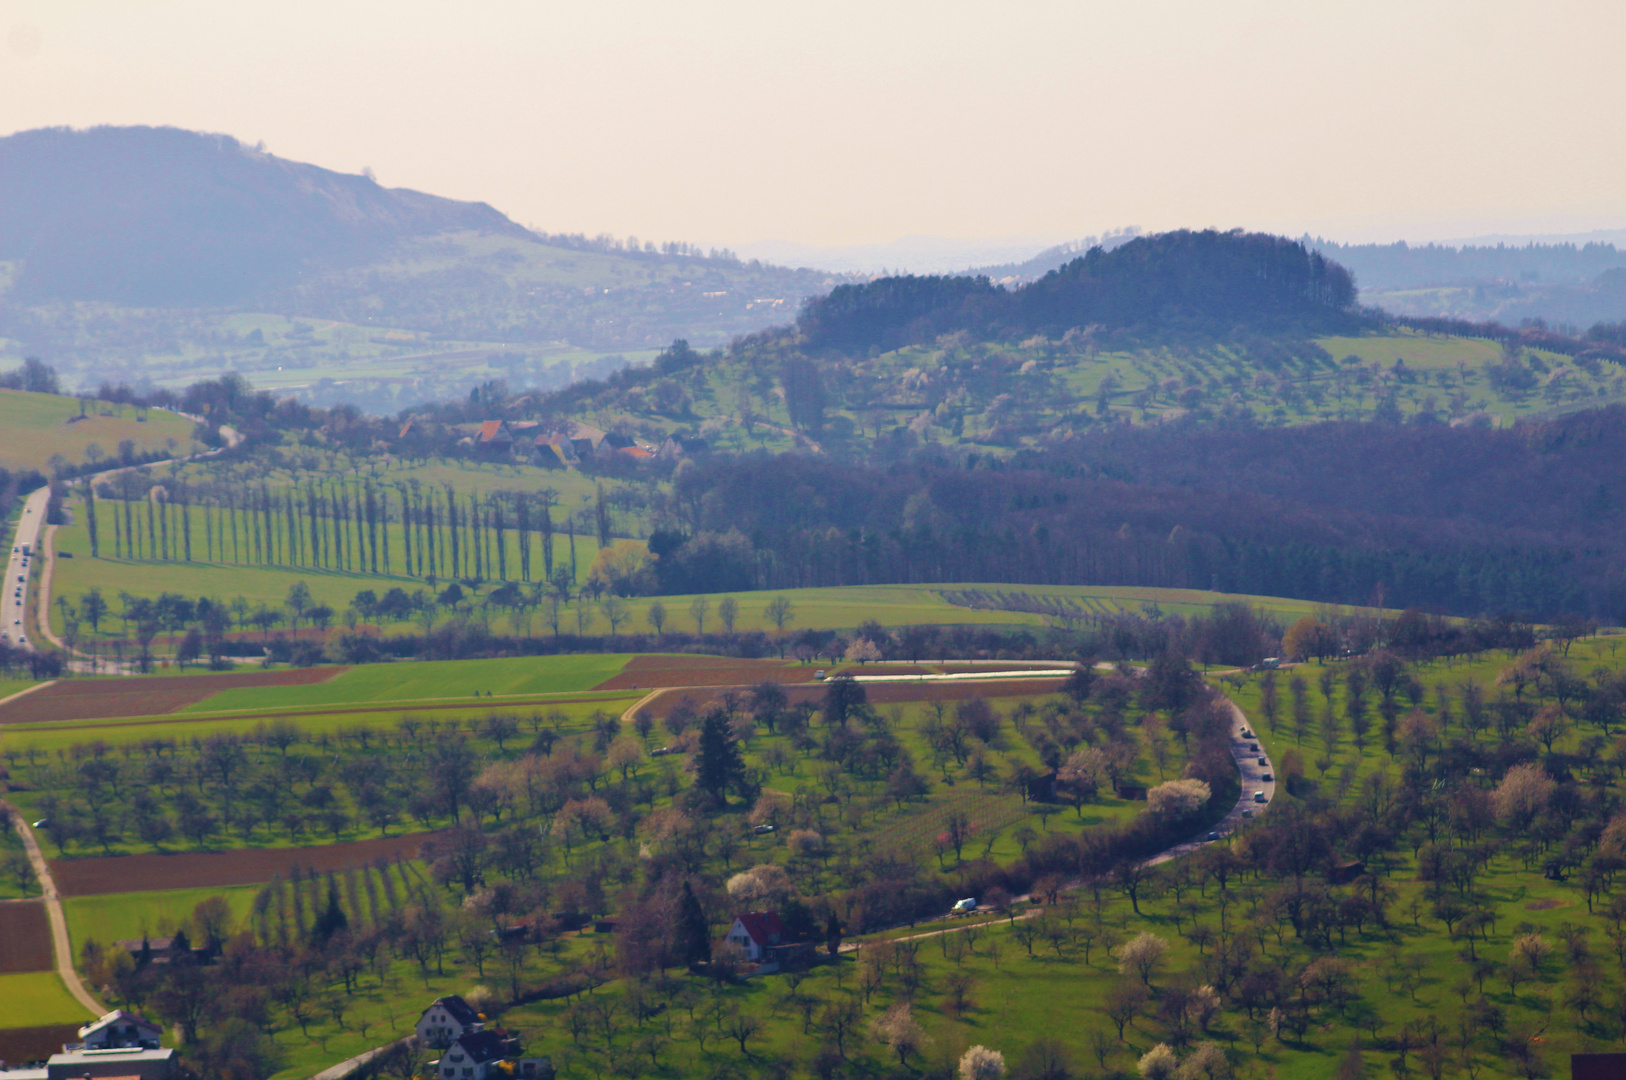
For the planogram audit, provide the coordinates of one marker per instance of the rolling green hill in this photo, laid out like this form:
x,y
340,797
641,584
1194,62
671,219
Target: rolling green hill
x,y
36,427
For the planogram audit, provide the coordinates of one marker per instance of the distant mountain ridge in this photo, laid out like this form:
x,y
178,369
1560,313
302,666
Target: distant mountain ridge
x,y
153,253
162,216
1401,265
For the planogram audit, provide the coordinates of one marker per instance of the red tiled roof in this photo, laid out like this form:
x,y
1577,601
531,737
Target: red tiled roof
x,y
763,926
490,429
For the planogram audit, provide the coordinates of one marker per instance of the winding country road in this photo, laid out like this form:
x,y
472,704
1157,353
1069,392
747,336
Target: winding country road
x,y
60,946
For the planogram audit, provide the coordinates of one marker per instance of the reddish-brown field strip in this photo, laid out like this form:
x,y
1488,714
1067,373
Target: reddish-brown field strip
x,y
218,869
25,937
18,1045
400,708
101,699
878,693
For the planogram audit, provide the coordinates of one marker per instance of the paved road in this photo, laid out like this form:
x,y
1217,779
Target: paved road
x,y
37,536
1250,772
14,599
53,911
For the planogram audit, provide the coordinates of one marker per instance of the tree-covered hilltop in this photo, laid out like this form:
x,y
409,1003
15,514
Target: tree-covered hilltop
x,y
1183,281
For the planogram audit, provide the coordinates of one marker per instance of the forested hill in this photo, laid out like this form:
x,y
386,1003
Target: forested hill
x,y
1186,282
1463,520
160,216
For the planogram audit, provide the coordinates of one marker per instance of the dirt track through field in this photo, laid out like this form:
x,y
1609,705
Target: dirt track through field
x,y
25,937
878,693
101,699
218,869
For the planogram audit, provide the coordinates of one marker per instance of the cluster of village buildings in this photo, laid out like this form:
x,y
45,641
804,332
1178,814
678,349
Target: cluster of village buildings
x,y
568,445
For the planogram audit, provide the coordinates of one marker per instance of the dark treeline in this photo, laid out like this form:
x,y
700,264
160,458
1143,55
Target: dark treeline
x,y
1180,280
1461,520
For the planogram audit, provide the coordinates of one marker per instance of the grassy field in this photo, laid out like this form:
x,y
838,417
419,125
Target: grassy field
x,y
14,686
123,916
36,427
37,998
430,680
226,580
318,723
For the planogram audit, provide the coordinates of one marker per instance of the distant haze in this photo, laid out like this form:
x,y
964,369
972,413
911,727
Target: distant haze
x,y
850,123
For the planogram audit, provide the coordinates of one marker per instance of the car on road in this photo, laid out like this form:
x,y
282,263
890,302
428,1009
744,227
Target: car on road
x,y
1264,761
1247,813
1253,748
1259,796
1212,836
1267,778
1246,734
762,830
818,676
964,907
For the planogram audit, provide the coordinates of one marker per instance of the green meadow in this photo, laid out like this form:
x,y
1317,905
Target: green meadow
x,y
38,998
429,680
36,427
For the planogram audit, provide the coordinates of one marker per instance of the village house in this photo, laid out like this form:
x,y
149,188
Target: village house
x,y
446,1020
557,445
494,437
120,1044
482,1054
756,932
119,1029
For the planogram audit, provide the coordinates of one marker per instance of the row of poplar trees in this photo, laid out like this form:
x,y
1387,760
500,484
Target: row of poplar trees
x,y
411,530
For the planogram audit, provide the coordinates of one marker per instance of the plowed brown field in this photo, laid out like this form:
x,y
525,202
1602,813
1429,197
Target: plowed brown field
x,y
100,699
25,937
651,672
217,869
18,1045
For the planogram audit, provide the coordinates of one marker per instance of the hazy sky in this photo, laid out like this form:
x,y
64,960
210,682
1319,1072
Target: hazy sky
x,y
843,123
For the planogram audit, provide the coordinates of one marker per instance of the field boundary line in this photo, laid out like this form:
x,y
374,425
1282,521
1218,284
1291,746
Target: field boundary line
x,y
26,691
61,946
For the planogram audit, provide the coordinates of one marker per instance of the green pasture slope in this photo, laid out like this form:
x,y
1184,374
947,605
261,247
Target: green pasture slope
x,y
36,427
38,998
429,681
